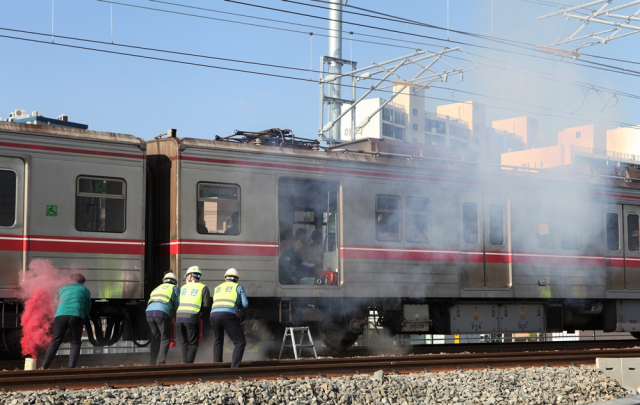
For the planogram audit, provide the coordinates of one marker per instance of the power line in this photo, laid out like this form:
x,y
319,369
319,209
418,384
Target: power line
x,y
162,50
235,60
609,68
310,26
159,59
250,24
579,117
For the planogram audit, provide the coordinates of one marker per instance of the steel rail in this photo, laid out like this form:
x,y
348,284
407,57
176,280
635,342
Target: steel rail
x,y
129,359
120,377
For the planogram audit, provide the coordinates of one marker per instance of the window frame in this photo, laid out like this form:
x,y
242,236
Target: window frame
x,y
378,211
491,222
427,214
239,202
95,195
563,216
15,206
629,236
477,211
550,219
606,230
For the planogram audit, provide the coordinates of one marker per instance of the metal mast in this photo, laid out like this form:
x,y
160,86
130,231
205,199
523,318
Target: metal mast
x,y
335,66
603,15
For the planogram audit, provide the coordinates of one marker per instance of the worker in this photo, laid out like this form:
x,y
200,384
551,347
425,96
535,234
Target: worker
x,y
290,262
195,299
228,298
72,304
162,305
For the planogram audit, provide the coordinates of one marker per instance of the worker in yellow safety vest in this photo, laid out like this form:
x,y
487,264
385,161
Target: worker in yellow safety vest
x,y
228,297
162,305
195,299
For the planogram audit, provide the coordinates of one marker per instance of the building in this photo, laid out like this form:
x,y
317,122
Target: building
x,y
591,144
524,127
21,117
458,125
623,140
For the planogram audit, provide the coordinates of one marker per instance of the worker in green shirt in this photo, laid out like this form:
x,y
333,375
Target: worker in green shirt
x,y
73,304
290,261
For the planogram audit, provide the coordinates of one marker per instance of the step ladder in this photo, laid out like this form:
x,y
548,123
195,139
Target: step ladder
x,y
297,347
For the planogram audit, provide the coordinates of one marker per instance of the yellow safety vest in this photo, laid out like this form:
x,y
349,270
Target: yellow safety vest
x,y
162,293
225,295
190,298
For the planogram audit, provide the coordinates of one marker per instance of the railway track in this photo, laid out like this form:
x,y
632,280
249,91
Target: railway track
x,y
133,376
129,359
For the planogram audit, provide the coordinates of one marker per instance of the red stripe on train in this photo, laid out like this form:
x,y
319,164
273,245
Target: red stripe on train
x,y
71,245
71,150
221,248
377,253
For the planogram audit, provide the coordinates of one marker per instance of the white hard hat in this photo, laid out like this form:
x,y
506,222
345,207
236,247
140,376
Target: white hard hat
x,y
195,270
170,278
232,273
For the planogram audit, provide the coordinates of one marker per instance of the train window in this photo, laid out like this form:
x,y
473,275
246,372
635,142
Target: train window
x,y
613,231
417,219
218,210
304,219
100,204
8,181
388,214
570,238
633,227
470,224
546,231
496,224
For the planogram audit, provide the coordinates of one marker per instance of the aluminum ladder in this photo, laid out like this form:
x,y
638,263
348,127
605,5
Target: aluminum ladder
x,y
297,347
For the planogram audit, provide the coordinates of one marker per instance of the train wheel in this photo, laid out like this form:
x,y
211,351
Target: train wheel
x,y
635,335
339,338
10,340
141,343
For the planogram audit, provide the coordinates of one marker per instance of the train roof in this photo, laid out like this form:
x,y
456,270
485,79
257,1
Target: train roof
x,y
408,155
67,132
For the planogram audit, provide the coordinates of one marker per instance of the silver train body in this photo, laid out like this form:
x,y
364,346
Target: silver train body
x,y
433,245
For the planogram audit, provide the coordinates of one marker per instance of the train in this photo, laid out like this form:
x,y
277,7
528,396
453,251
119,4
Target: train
x,y
429,239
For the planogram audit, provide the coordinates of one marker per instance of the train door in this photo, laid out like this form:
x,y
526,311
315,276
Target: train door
x,y
309,229
497,242
11,221
631,247
614,252
471,231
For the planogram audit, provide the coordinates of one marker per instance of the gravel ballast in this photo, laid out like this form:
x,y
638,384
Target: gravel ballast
x,y
546,385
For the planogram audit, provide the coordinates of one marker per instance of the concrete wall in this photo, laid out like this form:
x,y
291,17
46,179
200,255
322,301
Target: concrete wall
x,y
624,140
587,136
524,127
550,156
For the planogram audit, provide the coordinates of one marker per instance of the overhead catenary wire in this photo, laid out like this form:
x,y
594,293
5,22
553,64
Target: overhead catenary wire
x,y
579,117
244,62
305,25
611,68
523,45
254,63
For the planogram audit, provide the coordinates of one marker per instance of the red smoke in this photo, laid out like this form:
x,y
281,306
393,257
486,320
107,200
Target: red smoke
x,y
38,289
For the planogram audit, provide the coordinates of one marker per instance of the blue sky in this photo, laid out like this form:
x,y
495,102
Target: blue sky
x,y
145,97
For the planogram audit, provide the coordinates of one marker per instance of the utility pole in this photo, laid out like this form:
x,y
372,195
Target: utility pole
x,y
335,66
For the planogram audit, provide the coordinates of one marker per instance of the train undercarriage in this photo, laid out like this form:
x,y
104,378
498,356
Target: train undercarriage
x,y
338,323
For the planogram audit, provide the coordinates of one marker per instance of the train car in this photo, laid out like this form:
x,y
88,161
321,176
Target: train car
x,y
432,244
77,199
